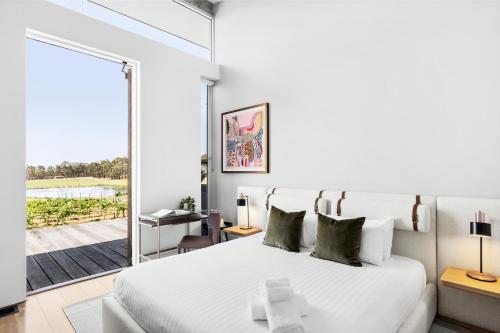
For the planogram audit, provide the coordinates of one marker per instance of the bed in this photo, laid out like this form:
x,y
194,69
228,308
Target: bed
x,y
207,290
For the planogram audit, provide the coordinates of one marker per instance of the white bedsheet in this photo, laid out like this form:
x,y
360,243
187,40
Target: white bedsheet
x,y
207,290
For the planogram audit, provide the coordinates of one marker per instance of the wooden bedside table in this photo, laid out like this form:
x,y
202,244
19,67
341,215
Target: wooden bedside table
x,y
242,232
457,278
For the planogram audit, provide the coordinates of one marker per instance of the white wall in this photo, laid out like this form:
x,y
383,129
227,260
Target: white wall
x,y
170,108
12,166
384,96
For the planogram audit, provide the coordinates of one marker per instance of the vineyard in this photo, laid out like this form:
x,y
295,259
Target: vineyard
x,y
59,211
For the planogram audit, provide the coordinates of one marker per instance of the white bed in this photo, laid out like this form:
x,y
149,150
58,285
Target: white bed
x,y
186,294
207,291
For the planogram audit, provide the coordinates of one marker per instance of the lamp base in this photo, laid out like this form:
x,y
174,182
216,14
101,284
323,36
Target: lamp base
x,y
242,227
485,277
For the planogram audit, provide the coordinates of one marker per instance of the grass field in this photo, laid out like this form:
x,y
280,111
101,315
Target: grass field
x,y
76,182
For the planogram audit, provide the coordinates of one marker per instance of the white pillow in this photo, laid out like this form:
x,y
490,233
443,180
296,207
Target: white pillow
x,y
376,240
309,230
388,237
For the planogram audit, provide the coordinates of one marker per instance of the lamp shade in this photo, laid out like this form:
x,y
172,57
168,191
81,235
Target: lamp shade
x,y
482,229
241,202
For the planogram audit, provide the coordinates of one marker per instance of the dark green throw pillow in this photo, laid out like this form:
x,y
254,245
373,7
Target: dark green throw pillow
x,y
339,240
284,229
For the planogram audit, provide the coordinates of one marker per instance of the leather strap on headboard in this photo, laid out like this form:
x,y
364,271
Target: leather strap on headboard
x,y
316,201
339,208
414,215
268,196
316,205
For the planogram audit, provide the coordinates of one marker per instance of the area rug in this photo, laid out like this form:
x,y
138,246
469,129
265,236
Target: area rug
x,y
85,316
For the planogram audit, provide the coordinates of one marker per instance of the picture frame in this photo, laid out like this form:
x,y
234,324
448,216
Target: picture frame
x,y
245,140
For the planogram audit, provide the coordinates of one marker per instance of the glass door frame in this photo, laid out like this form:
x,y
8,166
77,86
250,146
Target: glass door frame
x,y
134,123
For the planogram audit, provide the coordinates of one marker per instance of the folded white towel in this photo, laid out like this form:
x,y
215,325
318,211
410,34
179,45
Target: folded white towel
x,y
277,294
258,311
277,282
283,317
276,290
256,307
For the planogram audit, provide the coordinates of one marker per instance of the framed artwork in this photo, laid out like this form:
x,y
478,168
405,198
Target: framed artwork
x,y
245,139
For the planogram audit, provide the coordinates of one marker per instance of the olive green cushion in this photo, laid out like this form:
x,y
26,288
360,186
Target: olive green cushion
x,y
339,240
284,229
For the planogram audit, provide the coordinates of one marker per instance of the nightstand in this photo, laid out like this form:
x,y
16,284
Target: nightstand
x,y
242,232
457,278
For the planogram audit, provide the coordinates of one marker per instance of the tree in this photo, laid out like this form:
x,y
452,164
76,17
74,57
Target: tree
x,y
30,172
93,169
116,169
40,172
51,172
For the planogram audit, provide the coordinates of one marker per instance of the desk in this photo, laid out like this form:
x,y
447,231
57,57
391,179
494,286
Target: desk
x,y
173,219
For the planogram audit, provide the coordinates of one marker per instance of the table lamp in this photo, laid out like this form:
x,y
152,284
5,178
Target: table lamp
x,y
482,229
242,201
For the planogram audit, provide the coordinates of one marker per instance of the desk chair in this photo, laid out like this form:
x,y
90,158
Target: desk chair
x,y
189,242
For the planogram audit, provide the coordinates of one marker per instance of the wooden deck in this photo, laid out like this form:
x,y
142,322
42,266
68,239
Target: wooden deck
x,y
42,240
55,267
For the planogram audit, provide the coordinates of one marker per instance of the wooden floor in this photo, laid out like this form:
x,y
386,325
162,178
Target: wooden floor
x,y
42,240
51,268
43,312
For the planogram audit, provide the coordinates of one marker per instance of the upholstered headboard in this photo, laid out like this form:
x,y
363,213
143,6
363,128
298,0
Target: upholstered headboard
x,y
415,217
299,201
294,199
260,199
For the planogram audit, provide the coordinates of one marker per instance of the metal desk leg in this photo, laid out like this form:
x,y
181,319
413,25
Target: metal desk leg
x,y
158,240
186,227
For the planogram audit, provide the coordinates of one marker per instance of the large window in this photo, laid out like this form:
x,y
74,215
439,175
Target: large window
x,y
134,21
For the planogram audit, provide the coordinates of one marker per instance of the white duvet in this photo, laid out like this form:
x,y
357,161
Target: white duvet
x,y
207,290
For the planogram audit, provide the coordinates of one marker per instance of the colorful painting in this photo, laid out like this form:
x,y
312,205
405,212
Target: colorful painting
x,y
245,140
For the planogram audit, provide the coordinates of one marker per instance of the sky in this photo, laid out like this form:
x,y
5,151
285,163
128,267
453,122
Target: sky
x,y
76,106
